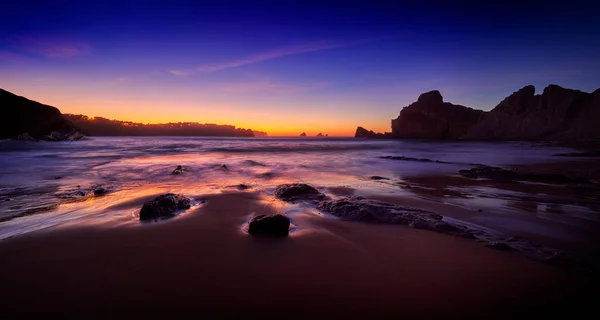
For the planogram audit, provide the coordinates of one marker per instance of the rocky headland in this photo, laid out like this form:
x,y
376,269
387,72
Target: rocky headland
x,y
557,114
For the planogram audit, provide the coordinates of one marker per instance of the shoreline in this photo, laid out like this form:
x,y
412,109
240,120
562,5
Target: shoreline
x,y
203,263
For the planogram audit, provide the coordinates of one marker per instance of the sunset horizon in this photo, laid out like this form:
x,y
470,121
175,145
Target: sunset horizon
x,y
298,159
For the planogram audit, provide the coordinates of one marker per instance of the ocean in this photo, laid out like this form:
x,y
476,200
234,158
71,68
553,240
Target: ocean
x,y
51,184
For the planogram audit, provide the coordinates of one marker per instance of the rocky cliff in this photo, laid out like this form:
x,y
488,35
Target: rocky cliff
x,y
25,119
556,114
364,133
432,118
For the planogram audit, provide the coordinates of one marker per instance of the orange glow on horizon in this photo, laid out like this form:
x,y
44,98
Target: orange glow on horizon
x,y
268,117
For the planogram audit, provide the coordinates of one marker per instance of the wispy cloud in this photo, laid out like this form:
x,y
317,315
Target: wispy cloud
x,y
271,87
268,55
52,48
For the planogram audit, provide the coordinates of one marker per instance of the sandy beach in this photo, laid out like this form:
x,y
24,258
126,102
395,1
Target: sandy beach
x,y
203,263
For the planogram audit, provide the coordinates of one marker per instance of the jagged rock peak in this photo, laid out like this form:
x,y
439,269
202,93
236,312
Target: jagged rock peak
x,y
432,97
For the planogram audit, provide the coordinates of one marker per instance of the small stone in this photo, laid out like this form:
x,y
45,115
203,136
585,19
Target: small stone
x,y
274,225
164,206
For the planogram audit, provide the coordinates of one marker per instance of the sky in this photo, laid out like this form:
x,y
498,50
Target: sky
x,y
287,67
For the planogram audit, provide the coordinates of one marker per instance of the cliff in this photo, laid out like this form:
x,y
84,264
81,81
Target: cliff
x,y
432,118
25,119
364,133
556,114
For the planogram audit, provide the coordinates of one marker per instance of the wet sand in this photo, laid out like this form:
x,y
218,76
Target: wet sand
x,y
203,263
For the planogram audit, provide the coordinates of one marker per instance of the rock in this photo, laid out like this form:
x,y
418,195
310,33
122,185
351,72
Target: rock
x,y
495,173
432,118
224,167
361,209
164,206
320,135
58,177
100,191
297,191
24,119
379,178
364,133
556,114
179,170
274,225
303,134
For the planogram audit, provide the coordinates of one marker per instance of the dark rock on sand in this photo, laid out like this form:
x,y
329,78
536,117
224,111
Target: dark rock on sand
x,y
224,167
379,178
274,225
179,170
432,118
242,186
496,173
362,209
164,206
24,119
297,191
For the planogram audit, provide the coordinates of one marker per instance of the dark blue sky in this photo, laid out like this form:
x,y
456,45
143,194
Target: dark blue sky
x,y
285,66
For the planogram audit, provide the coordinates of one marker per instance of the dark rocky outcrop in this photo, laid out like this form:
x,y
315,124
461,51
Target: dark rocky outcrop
x,y
365,210
164,206
364,133
361,209
320,135
297,191
556,114
25,119
432,118
303,134
274,225
496,173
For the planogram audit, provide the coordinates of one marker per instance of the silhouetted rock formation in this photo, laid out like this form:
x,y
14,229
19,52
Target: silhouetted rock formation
x,y
164,206
25,119
303,134
432,118
320,135
274,225
556,114
99,126
364,133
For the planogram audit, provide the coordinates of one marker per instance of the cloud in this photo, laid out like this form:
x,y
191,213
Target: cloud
x,y
52,48
268,55
271,87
